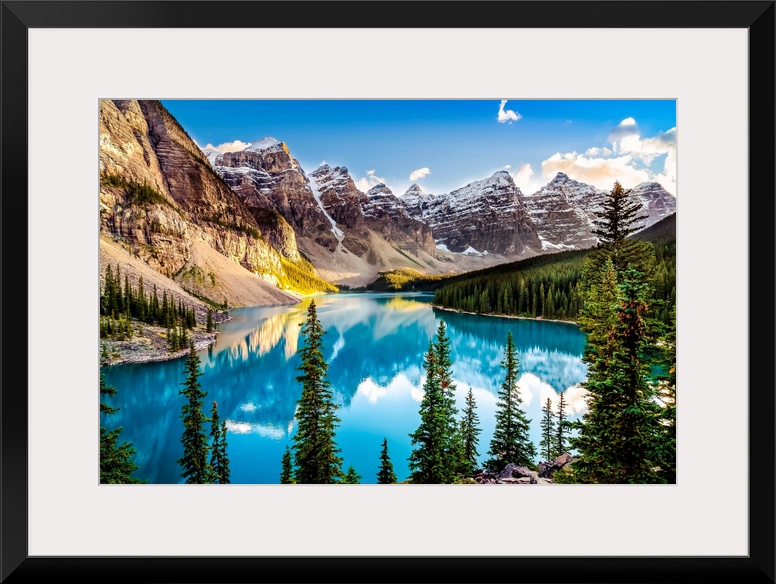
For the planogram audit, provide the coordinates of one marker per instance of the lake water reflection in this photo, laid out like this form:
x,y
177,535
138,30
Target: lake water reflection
x,y
374,344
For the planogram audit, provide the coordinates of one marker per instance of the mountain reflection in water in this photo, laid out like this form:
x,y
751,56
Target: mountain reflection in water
x,y
374,344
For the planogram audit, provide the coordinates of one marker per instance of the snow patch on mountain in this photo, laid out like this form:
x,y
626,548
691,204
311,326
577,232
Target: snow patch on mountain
x,y
314,187
264,144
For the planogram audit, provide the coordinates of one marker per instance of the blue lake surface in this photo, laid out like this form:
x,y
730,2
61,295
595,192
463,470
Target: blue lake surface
x,y
374,344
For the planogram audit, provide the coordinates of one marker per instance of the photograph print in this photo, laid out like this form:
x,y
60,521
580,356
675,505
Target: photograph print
x,y
465,292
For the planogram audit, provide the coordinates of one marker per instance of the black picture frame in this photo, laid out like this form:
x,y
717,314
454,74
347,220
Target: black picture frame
x,y
19,16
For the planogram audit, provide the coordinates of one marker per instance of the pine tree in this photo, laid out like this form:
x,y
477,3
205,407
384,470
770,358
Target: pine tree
x,y
667,395
562,426
618,218
470,430
511,442
620,435
286,468
385,474
194,462
315,450
547,443
116,460
351,477
219,461
209,325
435,458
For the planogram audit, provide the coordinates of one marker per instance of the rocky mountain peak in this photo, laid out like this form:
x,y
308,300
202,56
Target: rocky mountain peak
x,y
268,143
379,189
561,178
415,190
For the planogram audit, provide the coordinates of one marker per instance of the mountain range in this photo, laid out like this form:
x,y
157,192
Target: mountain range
x,y
250,224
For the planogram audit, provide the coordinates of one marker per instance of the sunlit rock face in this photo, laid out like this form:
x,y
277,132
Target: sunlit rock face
x,y
159,197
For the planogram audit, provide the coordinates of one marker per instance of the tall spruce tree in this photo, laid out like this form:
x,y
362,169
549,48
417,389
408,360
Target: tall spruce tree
x,y
619,438
667,395
511,442
194,462
562,426
619,217
286,468
548,436
470,430
435,457
219,460
620,435
116,460
316,453
385,474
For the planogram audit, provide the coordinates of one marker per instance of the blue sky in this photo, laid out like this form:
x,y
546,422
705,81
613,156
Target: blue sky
x,y
445,144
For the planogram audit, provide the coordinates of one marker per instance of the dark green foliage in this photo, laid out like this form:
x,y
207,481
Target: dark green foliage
x,y
194,462
405,279
547,444
624,436
209,324
351,477
667,395
549,285
469,431
119,306
385,474
436,455
546,286
562,426
616,220
620,435
286,468
219,460
315,450
116,460
510,443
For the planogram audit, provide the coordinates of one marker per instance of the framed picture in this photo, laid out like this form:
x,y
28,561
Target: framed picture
x,y
65,63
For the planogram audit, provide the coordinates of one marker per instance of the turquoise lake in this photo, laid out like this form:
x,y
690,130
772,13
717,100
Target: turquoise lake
x,y
374,344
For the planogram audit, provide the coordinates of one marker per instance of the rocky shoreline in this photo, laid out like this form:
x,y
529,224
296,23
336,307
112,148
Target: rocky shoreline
x,y
149,344
514,474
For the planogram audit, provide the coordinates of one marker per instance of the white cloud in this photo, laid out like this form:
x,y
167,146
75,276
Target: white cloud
x,y
235,427
507,115
524,180
628,160
235,146
419,173
599,172
370,180
507,166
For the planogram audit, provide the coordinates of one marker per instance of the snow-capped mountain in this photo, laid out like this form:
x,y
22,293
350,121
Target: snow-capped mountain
x,y
564,209
385,214
350,234
485,217
656,202
563,212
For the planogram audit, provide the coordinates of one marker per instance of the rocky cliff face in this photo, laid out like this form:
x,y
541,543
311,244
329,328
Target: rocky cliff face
x,y
342,201
656,202
266,177
385,214
486,216
563,210
159,194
